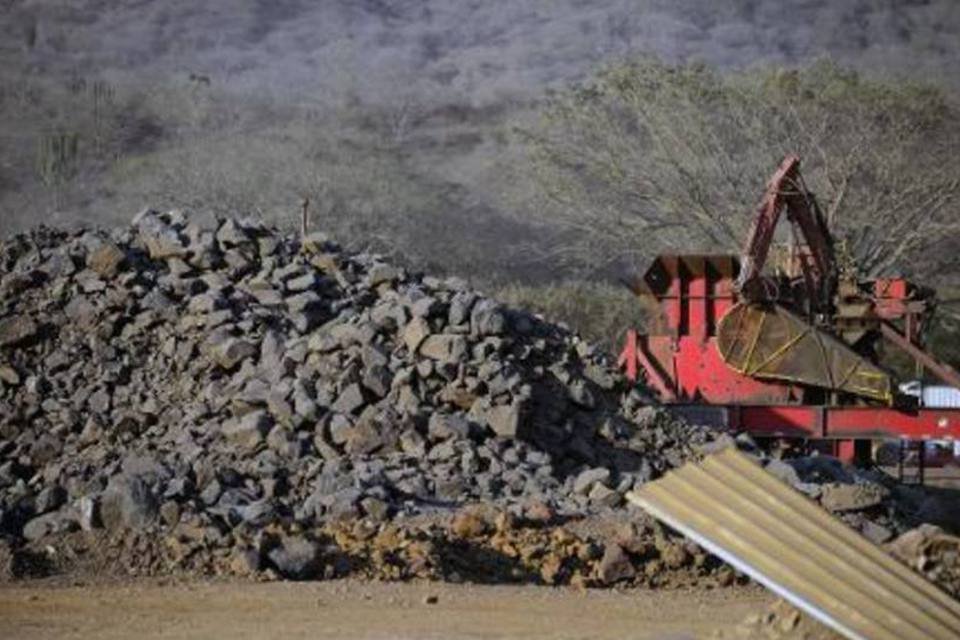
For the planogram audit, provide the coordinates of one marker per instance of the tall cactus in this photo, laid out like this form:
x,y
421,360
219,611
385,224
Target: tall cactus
x,y
58,156
102,95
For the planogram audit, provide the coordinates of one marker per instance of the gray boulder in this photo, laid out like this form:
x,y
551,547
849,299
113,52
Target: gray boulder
x,y
128,503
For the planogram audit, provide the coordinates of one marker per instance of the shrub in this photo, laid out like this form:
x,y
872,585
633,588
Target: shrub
x,y
599,312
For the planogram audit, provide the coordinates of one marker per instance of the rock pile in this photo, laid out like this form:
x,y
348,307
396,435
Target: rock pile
x,y
866,500
173,377
933,552
233,398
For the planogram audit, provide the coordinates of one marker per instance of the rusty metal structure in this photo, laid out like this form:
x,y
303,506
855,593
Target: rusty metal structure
x,y
789,349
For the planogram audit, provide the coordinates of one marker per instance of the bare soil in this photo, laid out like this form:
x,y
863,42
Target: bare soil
x,y
356,609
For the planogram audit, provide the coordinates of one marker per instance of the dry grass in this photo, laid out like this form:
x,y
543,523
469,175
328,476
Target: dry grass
x,y
598,311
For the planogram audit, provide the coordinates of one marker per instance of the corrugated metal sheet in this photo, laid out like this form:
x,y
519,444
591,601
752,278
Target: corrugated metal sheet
x,y
764,528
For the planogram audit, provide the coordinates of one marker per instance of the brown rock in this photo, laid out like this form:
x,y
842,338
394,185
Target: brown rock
x,y
540,512
350,400
327,262
444,347
106,261
674,555
726,576
362,438
851,497
504,521
415,333
170,513
163,243
615,565
468,524
458,396
603,495
244,562
550,569
631,538
16,329
249,431
381,273
9,375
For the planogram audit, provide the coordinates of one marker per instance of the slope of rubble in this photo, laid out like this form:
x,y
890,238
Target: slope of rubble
x,y
237,400
231,379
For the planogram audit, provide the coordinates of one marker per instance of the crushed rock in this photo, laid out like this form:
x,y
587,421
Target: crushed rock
x,y
236,400
208,386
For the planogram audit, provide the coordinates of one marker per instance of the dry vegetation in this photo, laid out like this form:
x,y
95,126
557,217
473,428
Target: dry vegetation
x,y
655,156
601,311
398,121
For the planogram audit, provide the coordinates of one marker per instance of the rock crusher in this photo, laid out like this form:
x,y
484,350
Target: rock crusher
x,y
789,353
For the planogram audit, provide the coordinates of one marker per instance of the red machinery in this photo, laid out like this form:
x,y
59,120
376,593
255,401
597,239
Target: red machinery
x,y
792,354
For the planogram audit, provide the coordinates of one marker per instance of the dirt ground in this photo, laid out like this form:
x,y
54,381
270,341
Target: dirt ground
x,y
353,609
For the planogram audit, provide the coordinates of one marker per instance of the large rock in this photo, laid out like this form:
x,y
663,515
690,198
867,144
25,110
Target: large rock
x,y
16,329
350,400
362,438
49,524
579,392
232,234
81,312
444,347
232,351
504,420
415,333
588,478
381,273
9,375
128,503
615,565
50,499
852,497
443,426
782,471
106,260
487,319
161,240
460,306
377,379
249,431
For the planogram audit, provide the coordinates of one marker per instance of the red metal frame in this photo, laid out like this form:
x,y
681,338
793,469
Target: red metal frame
x,y
816,422
844,429
680,359
785,192
873,423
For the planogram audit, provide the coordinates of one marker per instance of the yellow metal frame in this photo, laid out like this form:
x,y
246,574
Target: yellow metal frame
x,y
861,378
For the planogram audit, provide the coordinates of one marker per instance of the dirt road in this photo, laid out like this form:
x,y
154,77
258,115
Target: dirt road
x,y
365,610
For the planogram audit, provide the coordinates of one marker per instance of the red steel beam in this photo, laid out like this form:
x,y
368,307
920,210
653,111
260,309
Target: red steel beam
x,y
942,370
845,422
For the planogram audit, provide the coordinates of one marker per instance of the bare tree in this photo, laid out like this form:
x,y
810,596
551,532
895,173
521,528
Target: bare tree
x,y
649,157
